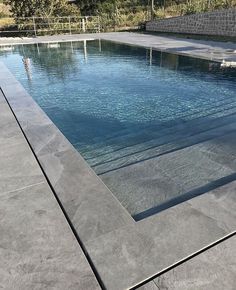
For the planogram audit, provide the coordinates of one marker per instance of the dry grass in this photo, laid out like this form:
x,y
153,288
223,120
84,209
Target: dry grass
x,y
4,10
5,22
192,7
5,16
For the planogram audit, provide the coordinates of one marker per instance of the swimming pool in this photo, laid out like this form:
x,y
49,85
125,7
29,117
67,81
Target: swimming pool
x,y
156,127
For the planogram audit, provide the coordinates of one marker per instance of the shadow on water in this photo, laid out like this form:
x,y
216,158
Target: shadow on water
x,y
82,128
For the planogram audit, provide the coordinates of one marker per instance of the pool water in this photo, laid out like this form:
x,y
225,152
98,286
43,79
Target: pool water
x,y
157,128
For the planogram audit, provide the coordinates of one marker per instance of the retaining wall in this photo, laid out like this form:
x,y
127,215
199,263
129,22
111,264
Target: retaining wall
x,y
219,22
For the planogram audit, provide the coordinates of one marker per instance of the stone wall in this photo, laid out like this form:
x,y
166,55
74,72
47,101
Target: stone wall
x,y
219,22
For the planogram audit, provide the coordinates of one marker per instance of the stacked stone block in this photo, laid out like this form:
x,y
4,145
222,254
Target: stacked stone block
x,y
219,22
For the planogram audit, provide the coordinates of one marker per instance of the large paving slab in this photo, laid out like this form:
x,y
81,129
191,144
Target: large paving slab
x,y
124,252
18,167
148,286
38,249
160,241
214,269
212,50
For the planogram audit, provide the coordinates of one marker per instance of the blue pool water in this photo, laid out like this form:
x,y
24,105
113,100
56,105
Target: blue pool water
x,y
156,127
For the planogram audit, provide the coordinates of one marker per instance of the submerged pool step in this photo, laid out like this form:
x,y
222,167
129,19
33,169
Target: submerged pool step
x,y
166,148
173,134
186,113
161,137
191,170
114,139
130,138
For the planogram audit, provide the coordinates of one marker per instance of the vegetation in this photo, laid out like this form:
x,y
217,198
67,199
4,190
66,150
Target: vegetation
x,y
179,8
5,15
44,8
114,14
121,13
176,7
122,10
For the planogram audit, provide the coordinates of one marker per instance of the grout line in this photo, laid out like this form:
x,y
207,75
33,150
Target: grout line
x,y
156,285
22,188
184,260
93,268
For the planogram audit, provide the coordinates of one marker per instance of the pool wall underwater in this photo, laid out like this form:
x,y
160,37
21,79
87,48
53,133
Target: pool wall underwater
x,y
123,252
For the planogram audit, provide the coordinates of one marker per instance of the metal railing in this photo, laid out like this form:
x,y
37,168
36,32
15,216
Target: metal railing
x,y
50,25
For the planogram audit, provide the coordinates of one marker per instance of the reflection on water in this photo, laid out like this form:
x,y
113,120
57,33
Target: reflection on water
x,y
59,58
157,127
26,62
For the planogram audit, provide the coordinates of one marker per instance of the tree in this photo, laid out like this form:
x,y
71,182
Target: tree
x,y
93,7
89,7
29,8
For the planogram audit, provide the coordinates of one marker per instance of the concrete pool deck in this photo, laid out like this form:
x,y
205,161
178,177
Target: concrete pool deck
x,y
124,253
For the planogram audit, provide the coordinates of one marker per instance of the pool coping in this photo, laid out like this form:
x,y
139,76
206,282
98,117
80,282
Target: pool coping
x,y
124,252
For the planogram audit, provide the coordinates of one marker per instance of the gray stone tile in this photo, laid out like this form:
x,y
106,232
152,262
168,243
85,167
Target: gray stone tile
x,y
90,205
2,99
8,128
46,139
37,248
212,270
219,204
18,167
149,286
24,105
129,255
6,75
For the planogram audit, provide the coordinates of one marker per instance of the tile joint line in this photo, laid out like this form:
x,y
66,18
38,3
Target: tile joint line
x,y
22,188
184,260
